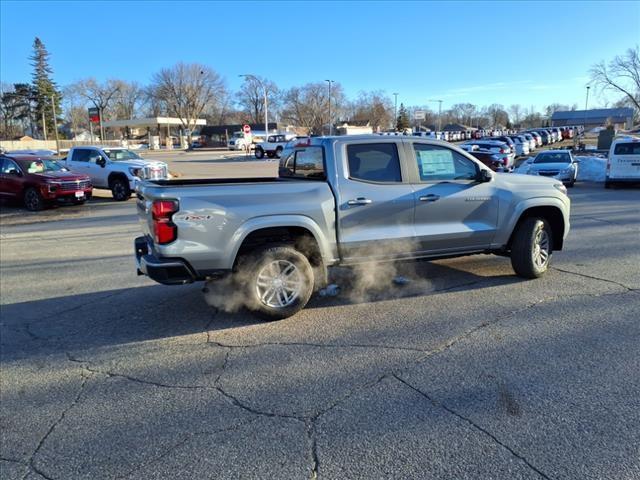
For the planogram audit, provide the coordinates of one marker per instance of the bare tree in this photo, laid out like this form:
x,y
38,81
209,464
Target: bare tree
x,y
251,98
128,99
375,107
187,90
308,106
99,95
622,74
516,113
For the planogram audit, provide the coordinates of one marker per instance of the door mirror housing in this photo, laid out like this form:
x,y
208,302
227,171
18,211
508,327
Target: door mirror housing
x,y
484,176
15,172
101,161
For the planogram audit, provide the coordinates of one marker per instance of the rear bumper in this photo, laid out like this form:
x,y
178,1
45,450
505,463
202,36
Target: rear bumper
x,y
173,271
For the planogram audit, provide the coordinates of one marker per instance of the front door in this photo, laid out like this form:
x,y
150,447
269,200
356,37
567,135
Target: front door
x,y
454,212
375,204
10,178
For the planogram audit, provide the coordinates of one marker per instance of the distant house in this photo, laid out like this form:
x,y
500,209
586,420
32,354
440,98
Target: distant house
x,y
618,117
354,127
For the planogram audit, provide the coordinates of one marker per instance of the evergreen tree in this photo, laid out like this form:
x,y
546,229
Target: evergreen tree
x,y
402,121
44,89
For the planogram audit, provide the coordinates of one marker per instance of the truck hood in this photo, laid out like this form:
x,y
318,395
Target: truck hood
x,y
59,176
138,163
524,179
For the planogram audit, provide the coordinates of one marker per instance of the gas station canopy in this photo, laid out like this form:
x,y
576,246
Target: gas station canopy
x,y
151,122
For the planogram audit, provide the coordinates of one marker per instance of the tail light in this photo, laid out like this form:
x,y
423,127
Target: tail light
x,y
164,230
505,161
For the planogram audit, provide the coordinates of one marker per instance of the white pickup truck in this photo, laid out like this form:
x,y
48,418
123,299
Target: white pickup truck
x,y
274,145
114,168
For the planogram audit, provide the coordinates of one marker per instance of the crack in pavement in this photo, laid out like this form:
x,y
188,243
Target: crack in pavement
x,y
481,429
592,277
313,448
187,438
32,459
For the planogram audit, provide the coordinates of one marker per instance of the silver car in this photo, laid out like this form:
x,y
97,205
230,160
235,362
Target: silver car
x,y
558,164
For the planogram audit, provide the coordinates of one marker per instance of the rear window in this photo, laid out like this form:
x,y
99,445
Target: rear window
x,y
374,162
627,149
305,163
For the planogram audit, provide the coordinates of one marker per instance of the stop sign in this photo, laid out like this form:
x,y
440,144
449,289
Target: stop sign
x,y
246,129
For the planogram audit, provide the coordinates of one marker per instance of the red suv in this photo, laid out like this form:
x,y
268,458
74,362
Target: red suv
x,y
38,181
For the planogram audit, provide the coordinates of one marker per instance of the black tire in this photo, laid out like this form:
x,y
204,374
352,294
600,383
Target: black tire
x,y
571,183
259,152
270,265
278,152
33,201
120,190
525,259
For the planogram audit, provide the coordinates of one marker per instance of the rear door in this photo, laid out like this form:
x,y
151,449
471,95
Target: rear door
x,y
375,201
625,161
454,212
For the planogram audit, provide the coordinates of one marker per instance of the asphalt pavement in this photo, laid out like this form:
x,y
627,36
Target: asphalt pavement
x,y
465,372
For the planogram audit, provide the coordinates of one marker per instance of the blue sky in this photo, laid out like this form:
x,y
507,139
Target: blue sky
x,y
531,53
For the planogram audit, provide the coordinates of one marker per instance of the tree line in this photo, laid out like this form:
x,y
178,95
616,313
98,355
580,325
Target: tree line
x,y
190,91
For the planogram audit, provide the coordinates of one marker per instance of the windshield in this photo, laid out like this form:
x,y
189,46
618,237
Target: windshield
x,y
41,166
117,155
553,158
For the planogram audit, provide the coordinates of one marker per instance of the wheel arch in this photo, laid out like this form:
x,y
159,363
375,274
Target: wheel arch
x,y
554,217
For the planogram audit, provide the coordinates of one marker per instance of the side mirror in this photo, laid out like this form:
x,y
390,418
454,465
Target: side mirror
x,y
484,176
576,161
15,172
101,161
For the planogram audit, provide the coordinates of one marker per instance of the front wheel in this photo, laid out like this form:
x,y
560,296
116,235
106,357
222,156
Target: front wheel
x,y
278,281
120,190
259,152
531,248
33,200
278,152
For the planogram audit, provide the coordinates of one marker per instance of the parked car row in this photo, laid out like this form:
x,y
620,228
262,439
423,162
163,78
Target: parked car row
x,y
38,181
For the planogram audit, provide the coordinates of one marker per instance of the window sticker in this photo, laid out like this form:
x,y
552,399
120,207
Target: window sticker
x,y
436,163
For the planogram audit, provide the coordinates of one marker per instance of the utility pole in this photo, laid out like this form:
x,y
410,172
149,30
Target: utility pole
x,y
395,111
44,126
330,122
102,139
264,88
55,123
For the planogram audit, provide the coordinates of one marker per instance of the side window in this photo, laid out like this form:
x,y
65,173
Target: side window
x,y
81,155
374,162
305,163
627,149
440,163
9,165
93,155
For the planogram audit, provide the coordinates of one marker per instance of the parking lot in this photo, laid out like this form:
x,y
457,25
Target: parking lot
x,y
466,371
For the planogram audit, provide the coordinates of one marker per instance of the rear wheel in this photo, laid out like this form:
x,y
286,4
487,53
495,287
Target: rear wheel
x,y
259,152
278,281
278,152
33,200
531,248
120,189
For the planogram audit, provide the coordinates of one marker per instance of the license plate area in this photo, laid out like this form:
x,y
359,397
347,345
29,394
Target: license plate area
x,y
79,194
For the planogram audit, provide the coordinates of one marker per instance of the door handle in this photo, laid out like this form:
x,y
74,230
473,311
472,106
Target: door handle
x,y
360,201
429,198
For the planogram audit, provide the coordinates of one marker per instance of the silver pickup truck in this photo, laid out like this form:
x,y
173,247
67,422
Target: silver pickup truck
x,y
344,201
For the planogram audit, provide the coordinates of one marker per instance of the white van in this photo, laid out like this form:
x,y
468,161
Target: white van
x,y
623,164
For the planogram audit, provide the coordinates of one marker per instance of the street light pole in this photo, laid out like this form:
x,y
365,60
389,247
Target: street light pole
x,y
439,113
395,111
264,88
586,103
330,122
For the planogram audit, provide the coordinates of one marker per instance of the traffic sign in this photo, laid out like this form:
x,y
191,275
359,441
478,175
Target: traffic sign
x,y
419,114
246,129
94,115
